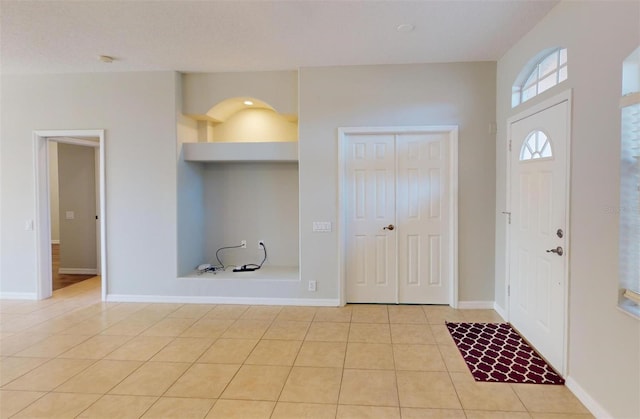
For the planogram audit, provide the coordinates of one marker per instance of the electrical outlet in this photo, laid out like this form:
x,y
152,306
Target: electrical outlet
x,y
312,286
243,244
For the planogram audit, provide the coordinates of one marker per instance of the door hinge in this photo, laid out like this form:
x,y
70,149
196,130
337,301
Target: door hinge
x,y
509,145
508,214
508,290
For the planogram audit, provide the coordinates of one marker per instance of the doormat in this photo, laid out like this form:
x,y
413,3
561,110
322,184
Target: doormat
x,y
496,352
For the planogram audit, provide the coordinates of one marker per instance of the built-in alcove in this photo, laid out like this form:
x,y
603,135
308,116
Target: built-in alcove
x,y
243,172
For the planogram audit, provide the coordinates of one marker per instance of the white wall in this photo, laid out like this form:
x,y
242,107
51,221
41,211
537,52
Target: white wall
x,y
53,192
429,94
137,110
604,343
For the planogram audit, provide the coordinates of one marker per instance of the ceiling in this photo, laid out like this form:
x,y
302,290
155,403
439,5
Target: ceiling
x,y
218,36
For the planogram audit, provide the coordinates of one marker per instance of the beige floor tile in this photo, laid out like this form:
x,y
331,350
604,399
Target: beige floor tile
x,y
122,407
369,387
192,311
287,330
333,314
453,359
441,314
151,379
241,409
169,327
88,327
247,329
130,327
274,352
548,399
370,333
58,405
205,381
20,341
321,354
427,389
411,333
328,332
375,356
312,385
496,414
52,346
303,411
261,313
227,312
441,334
482,316
11,402
183,350
96,347
418,358
298,314
367,412
363,313
178,408
49,375
562,416
228,351
407,314
207,328
415,413
100,377
13,367
257,382
140,348
158,309
485,396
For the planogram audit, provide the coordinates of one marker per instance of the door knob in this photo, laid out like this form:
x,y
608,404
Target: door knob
x,y
558,250
389,227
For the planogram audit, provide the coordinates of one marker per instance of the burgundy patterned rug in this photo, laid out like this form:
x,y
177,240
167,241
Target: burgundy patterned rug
x,y
496,352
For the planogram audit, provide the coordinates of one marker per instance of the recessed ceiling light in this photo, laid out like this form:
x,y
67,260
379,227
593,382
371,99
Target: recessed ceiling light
x,y
405,27
248,102
105,59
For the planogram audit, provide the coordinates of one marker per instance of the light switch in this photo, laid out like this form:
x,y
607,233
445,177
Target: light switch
x,y
322,226
70,215
28,225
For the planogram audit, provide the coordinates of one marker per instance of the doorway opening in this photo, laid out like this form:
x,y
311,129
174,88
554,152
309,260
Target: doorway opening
x,y
398,222
91,144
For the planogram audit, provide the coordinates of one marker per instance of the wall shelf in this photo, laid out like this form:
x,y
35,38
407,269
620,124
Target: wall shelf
x,y
241,152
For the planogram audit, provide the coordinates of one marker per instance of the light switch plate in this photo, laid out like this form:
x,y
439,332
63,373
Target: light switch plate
x,y
322,226
70,215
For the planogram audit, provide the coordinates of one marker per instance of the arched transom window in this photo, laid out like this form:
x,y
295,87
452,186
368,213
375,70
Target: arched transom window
x,y
536,146
545,73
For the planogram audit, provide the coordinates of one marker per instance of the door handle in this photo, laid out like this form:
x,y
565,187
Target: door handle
x,y
558,251
389,227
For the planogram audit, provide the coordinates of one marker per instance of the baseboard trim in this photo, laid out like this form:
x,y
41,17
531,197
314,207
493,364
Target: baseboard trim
x,y
78,271
55,241
501,311
17,296
125,298
589,402
471,305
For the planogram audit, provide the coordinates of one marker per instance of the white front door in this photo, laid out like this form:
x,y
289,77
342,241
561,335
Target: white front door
x,y
538,231
397,218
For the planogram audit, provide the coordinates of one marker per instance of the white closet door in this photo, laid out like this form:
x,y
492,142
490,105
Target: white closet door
x,y
422,213
371,250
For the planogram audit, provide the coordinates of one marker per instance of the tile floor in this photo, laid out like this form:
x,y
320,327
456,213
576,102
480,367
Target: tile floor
x,y
74,356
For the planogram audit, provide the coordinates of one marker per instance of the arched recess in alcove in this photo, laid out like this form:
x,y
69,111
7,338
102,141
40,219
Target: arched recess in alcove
x,y
246,119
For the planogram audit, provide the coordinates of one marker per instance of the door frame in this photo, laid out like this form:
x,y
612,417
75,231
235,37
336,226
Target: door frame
x,y
41,139
452,132
565,96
